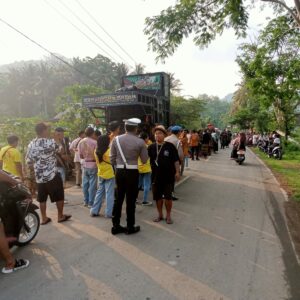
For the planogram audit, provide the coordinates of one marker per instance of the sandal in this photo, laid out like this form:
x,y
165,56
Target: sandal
x,y
19,264
158,219
47,221
64,218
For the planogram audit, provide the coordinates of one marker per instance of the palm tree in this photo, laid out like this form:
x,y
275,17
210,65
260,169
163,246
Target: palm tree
x,y
175,84
122,70
240,98
139,69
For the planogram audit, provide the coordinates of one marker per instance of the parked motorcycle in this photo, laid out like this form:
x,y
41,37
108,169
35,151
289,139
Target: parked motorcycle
x,y
18,213
263,146
240,156
276,153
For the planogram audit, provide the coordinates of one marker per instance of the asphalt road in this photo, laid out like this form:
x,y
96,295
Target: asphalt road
x,y
228,241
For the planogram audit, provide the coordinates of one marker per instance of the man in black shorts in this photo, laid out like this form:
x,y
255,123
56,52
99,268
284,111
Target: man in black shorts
x,y
164,162
42,153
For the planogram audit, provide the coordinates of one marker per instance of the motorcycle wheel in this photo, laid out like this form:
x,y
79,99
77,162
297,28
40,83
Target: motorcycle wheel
x,y
32,220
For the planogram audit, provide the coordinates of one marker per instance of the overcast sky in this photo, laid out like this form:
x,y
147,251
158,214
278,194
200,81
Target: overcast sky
x,y
212,71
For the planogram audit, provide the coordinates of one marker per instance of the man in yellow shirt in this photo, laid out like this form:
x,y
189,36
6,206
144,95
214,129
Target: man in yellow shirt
x,y
10,157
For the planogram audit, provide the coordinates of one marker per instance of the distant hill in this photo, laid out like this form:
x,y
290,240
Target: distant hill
x,y
228,98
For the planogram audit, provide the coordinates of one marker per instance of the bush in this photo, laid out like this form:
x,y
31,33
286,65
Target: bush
x,y
296,134
291,147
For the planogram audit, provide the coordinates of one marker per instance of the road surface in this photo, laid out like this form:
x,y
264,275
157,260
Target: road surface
x,y
228,241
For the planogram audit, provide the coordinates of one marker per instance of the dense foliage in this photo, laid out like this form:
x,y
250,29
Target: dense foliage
x,y
204,20
270,92
196,113
30,89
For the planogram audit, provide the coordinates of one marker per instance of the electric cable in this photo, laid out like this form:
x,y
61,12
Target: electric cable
x,y
97,22
91,30
82,32
45,49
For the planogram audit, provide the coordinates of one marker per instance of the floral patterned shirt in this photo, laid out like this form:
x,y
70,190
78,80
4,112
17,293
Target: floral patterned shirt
x,y
41,152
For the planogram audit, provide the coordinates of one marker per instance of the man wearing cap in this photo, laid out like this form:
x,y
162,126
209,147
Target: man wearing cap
x,y
124,154
164,162
174,139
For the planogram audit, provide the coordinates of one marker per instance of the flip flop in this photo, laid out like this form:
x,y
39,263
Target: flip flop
x,y
169,221
47,221
65,218
158,219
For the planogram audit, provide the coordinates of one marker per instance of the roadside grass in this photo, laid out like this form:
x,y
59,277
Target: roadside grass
x,y
287,171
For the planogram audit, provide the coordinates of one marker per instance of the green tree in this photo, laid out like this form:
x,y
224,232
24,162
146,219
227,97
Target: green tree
x,y
271,70
21,127
215,111
175,84
30,88
186,112
139,69
204,19
99,70
71,115
122,70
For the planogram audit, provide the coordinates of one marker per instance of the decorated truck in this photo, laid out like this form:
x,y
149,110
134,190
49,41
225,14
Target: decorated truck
x,y
144,96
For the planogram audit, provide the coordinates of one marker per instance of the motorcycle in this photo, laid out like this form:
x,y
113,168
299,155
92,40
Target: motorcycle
x,y
18,214
263,146
240,156
276,153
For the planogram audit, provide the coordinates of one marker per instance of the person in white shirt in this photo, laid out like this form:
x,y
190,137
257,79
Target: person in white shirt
x,y
254,139
77,160
276,142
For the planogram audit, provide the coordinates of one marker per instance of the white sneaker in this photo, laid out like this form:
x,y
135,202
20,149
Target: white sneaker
x,y
66,202
19,264
148,203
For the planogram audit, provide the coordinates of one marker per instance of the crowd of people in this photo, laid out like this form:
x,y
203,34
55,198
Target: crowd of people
x,y
271,139
110,166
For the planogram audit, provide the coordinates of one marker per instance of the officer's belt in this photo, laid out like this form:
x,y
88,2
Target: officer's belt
x,y
129,167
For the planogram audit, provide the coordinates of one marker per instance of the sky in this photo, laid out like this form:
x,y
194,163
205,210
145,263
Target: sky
x,y
212,71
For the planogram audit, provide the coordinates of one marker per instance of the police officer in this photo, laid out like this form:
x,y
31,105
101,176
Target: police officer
x,y
124,154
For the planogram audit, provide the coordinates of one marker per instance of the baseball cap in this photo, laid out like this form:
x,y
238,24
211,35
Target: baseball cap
x,y
176,128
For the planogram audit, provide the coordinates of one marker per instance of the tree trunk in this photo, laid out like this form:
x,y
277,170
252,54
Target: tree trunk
x,y
297,4
286,133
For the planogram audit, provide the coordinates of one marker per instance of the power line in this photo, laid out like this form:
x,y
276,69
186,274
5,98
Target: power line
x,y
90,29
77,28
45,49
95,20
